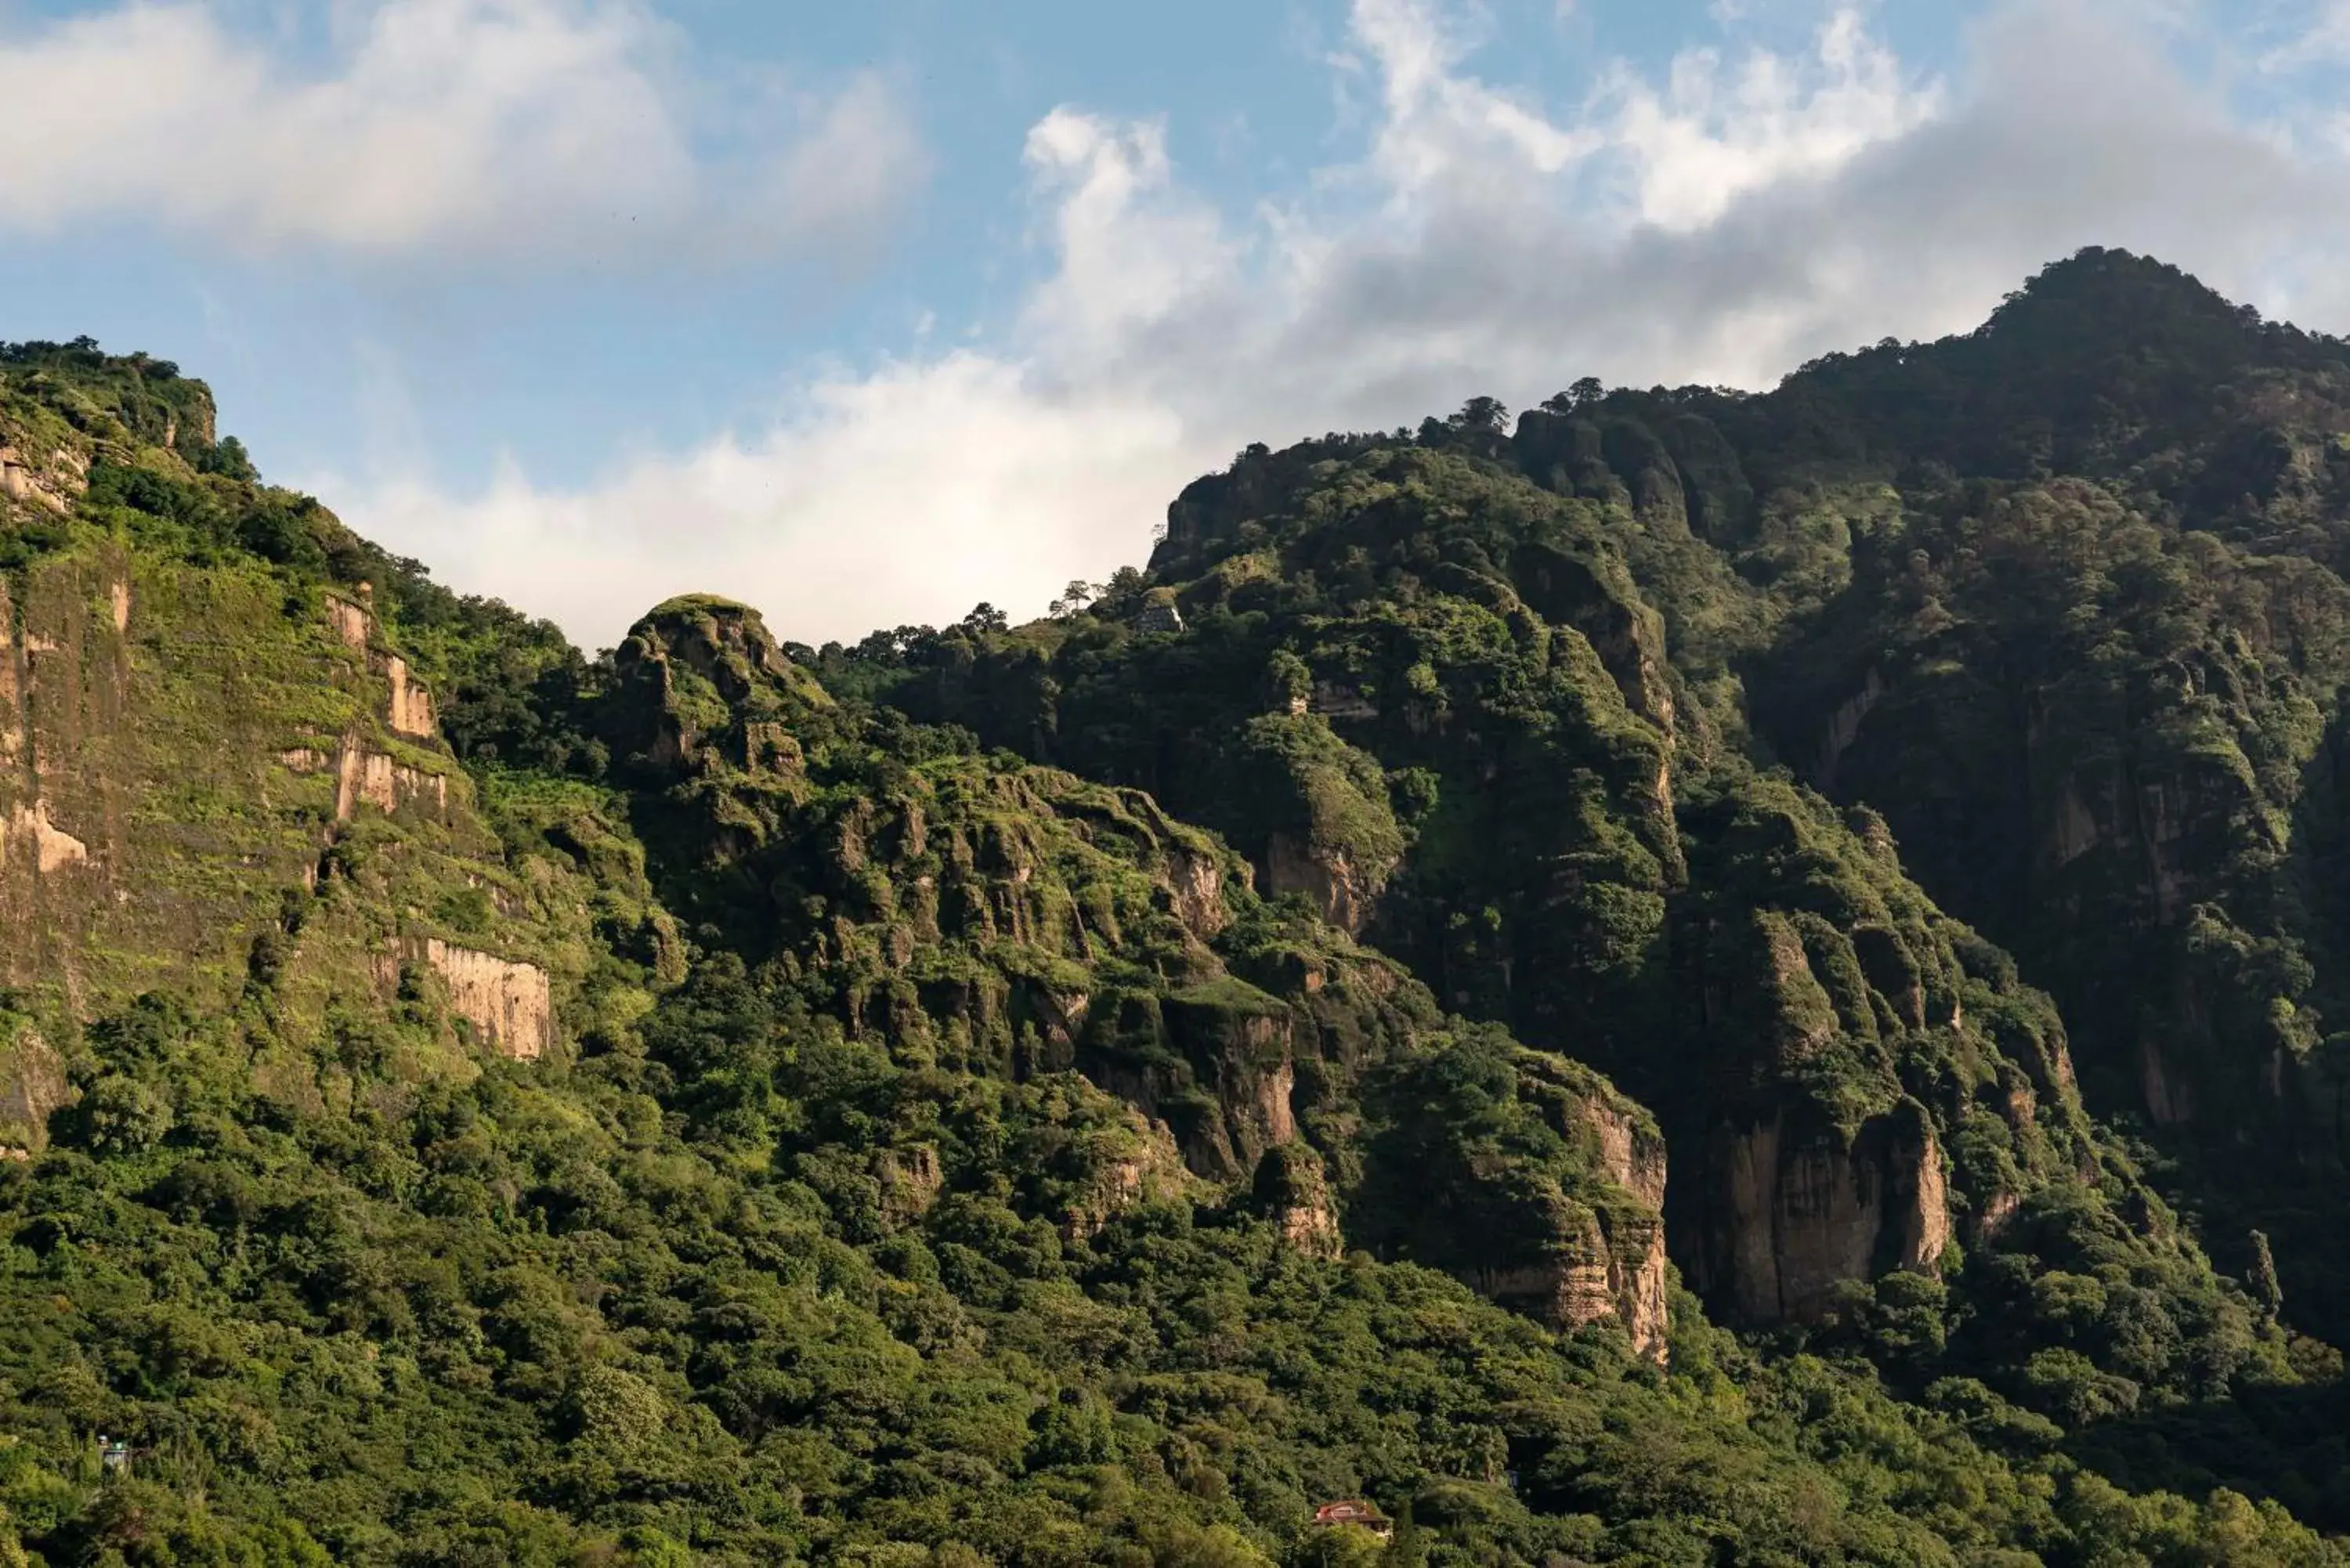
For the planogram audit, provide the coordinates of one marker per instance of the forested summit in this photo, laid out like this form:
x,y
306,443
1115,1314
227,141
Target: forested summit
x,y
1689,978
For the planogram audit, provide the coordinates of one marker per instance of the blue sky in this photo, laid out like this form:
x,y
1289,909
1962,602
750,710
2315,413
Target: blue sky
x,y
865,313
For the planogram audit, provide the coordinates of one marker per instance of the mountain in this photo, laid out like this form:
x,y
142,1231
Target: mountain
x,y
1692,978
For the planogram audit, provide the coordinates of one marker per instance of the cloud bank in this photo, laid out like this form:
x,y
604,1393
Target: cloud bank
x,y
1717,223
516,128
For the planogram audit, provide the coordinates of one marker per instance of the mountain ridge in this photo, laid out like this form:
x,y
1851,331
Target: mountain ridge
x,y
1213,1049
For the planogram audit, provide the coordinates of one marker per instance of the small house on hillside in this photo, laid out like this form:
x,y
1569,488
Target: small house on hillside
x,y
1355,1513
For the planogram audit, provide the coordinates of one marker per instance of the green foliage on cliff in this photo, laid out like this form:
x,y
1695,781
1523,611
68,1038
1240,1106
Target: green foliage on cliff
x,y
1092,1092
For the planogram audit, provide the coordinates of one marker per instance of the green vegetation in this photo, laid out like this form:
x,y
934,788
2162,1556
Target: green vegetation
x,y
1438,991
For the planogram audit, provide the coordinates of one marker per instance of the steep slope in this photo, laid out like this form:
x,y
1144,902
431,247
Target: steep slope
x,y
1426,690
218,773
982,916
932,1156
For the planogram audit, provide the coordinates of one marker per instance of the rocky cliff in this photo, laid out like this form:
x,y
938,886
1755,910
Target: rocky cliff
x,y
1068,1087
1014,921
220,778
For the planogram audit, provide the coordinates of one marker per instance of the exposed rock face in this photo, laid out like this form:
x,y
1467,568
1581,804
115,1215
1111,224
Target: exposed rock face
x,y
1196,883
411,704
352,624
1631,1155
32,1084
1140,1164
372,777
50,486
362,775
703,685
1158,612
1292,1188
911,1178
1595,1275
1626,634
409,710
1327,877
1996,1213
1608,1264
1844,725
1239,1060
50,849
1637,1289
509,1005
1806,1211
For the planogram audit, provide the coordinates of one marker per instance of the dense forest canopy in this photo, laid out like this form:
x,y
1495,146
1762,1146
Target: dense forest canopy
x,y
1688,977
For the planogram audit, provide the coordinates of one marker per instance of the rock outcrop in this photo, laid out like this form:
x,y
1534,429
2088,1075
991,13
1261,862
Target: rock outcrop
x,y
508,1005
50,485
1328,878
1135,1161
1595,1274
1611,1264
30,834
1194,884
353,624
1808,1209
32,1085
1292,1188
410,711
370,777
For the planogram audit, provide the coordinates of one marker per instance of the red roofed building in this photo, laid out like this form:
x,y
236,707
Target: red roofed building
x,y
1361,1514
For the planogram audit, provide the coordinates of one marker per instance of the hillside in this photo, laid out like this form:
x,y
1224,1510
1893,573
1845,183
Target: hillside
x,y
1693,978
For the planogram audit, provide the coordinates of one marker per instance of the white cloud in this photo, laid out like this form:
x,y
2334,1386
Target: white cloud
x,y
473,126
1718,223
913,492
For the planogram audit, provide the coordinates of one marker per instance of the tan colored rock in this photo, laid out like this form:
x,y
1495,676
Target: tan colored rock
x,y
12,716
1639,1290
352,624
509,1005
1807,1214
20,482
33,1087
1312,1229
1995,1215
373,778
1327,877
118,594
51,849
1148,1166
1630,1156
1292,1188
1195,882
1925,1212
411,704
1275,1093
1595,1277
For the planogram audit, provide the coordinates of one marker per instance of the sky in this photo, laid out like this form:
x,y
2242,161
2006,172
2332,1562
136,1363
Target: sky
x,y
867,313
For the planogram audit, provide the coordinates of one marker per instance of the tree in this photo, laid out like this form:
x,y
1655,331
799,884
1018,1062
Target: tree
x,y
1485,415
1582,395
